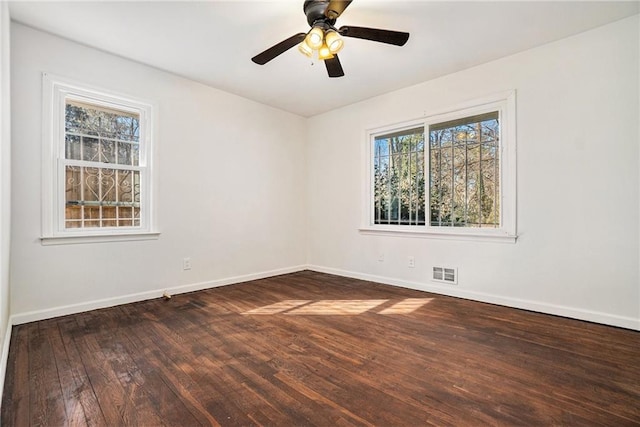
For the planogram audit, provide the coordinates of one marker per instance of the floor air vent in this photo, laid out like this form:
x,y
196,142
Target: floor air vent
x,y
445,275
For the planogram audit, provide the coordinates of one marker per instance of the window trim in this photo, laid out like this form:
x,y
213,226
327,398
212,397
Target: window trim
x,y
505,103
55,91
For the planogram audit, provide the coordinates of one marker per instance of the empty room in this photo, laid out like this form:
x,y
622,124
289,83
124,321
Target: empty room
x,y
319,213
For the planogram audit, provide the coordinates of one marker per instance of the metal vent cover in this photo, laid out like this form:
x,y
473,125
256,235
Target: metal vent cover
x,y
445,275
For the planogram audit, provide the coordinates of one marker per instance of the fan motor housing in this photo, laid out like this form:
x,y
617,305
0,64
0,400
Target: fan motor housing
x,y
315,11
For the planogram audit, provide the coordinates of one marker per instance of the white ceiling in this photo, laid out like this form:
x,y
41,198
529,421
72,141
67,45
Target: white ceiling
x,y
212,42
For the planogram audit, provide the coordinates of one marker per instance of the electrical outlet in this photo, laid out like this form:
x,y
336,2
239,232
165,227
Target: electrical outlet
x,y
381,257
412,262
186,263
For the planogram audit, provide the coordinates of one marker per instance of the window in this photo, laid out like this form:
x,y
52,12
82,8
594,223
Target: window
x,y
399,179
449,174
96,167
464,184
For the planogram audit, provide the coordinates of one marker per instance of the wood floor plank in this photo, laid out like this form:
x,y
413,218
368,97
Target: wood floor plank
x,y
68,376
15,399
45,391
115,405
82,383
311,349
147,391
185,390
184,371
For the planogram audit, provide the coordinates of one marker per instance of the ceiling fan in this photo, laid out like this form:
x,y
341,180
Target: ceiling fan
x,y
324,39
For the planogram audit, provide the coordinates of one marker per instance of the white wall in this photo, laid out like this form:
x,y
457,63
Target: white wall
x,y
231,186
578,156
5,188
578,185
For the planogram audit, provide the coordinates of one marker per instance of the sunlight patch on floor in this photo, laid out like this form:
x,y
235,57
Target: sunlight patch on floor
x,y
339,307
278,307
406,306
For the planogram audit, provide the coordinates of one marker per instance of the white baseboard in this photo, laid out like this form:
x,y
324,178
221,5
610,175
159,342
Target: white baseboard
x,y
541,307
33,316
4,356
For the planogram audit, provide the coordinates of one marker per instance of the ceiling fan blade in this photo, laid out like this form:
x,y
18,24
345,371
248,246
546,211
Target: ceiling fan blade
x,y
397,38
335,8
277,49
334,68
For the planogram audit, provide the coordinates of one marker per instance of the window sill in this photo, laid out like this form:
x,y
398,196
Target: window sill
x,y
423,233
97,238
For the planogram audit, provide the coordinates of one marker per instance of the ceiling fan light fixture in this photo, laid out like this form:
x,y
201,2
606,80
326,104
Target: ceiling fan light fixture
x,y
324,52
334,41
305,49
315,38
323,41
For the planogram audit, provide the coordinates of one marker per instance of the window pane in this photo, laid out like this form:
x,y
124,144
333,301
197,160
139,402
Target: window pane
x,y
108,151
124,153
106,135
465,176
398,165
90,148
101,197
72,147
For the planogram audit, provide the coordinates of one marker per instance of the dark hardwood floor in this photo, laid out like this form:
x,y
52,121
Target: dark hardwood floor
x,y
315,349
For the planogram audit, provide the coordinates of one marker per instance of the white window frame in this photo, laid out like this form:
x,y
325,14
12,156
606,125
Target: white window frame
x,y
505,104
56,90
